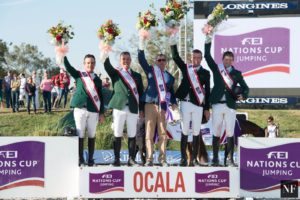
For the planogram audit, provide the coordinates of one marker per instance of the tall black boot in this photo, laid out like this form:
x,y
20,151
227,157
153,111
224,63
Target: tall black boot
x,y
131,151
183,145
230,151
117,149
195,150
81,143
215,144
91,146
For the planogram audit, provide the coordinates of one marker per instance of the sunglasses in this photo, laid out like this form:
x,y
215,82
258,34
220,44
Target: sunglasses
x,y
161,60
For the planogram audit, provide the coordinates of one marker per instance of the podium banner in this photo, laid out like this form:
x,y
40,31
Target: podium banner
x,y
38,167
269,167
158,182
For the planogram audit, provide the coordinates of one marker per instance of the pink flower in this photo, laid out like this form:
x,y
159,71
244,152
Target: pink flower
x,y
207,29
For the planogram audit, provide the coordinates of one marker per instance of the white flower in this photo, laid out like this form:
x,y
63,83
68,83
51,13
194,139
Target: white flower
x,y
210,17
170,14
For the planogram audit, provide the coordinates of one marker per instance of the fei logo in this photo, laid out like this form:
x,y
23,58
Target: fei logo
x,y
8,154
281,155
252,41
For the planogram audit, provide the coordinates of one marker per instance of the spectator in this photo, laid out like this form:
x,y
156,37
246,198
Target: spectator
x,y
55,91
106,83
272,130
7,88
22,89
15,90
46,87
64,87
30,89
37,83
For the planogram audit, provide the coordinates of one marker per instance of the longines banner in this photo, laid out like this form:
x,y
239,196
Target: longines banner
x,y
266,49
158,182
269,167
38,167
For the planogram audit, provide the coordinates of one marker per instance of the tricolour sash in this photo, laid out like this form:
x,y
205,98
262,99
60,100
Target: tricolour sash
x,y
130,82
226,77
195,83
90,89
160,83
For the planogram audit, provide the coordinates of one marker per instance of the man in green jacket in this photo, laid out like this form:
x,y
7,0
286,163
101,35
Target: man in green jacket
x,y
125,101
193,92
223,99
87,103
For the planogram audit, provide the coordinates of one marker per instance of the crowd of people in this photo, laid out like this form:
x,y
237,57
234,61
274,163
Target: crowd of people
x,y
21,91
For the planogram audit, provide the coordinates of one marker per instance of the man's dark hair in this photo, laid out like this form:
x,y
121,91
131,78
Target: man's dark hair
x,y
89,56
124,53
229,54
197,51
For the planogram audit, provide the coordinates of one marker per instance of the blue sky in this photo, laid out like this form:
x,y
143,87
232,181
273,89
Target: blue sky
x,y
28,20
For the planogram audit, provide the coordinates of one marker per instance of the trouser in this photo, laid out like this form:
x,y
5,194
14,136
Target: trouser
x,y
222,113
29,99
154,119
63,93
8,97
119,119
36,98
15,100
85,120
47,101
190,113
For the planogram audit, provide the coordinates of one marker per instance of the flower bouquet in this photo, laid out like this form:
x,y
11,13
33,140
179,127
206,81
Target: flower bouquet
x,y
214,20
172,13
107,34
146,21
61,35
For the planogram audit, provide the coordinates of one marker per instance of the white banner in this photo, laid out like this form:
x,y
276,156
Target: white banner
x,y
38,167
158,182
266,49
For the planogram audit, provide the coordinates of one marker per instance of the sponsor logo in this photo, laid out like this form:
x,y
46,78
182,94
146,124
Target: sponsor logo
x,y
212,182
257,52
110,181
256,6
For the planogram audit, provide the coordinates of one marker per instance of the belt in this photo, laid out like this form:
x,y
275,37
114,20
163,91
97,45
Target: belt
x,y
153,102
222,102
186,100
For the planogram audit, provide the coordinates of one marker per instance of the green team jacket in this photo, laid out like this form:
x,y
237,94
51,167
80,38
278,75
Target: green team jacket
x,y
219,88
80,98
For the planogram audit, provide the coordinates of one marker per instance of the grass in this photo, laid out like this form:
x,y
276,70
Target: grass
x,y
22,124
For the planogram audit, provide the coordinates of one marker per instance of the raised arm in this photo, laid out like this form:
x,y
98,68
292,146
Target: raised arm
x,y
143,61
71,70
210,61
177,59
111,71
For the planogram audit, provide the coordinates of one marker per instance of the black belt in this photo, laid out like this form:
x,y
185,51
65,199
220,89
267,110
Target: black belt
x,y
222,102
185,100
